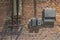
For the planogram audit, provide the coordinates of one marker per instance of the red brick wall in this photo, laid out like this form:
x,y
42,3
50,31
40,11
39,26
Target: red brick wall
x,y
5,7
28,11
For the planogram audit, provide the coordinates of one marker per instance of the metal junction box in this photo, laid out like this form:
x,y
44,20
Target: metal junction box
x,y
39,22
33,22
49,15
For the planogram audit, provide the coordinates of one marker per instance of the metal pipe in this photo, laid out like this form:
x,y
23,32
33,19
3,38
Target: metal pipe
x,y
15,10
34,8
19,7
14,7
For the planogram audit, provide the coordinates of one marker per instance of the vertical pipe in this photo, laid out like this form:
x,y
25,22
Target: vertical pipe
x,y
19,7
14,8
34,8
17,10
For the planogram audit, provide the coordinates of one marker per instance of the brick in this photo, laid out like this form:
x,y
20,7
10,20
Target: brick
x,y
28,12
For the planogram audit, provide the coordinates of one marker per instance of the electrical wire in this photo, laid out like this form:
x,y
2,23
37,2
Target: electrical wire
x,y
20,32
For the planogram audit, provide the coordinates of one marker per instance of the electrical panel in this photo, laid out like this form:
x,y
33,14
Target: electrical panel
x,y
39,22
33,22
49,14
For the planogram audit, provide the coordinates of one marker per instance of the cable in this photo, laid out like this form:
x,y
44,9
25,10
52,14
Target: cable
x,y
20,32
